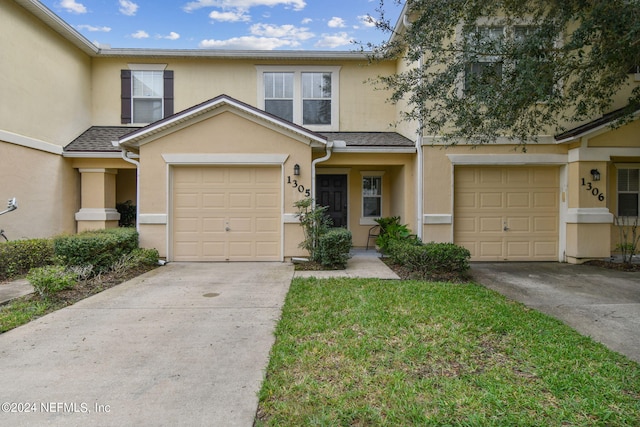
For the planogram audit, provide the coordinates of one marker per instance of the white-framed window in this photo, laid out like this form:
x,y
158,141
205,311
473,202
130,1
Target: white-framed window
x,y
483,65
628,191
147,95
307,96
483,40
371,195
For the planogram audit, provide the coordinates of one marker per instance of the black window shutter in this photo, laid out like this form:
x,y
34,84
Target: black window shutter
x,y
168,93
125,96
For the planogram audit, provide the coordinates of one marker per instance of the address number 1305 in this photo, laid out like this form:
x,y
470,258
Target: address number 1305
x,y
300,187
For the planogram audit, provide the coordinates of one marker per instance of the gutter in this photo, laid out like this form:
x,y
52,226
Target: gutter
x,y
126,158
313,170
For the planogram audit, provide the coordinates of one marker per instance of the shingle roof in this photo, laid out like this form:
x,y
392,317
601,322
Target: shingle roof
x,y
606,119
98,139
370,139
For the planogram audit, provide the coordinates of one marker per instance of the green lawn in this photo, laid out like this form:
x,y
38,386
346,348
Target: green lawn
x,y
372,352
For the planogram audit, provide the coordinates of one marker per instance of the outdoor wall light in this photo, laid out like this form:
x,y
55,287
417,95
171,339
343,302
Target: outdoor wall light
x,y
296,170
595,175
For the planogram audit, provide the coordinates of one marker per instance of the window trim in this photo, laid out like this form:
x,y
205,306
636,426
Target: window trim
x,y
619,167
126,90
297,92
508,33
371,220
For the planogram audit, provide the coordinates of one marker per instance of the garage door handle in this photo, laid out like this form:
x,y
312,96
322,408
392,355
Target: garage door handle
x,y
505,227
227,229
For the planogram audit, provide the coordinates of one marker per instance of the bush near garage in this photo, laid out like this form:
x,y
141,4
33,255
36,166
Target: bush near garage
x,y
99,248
334,247
430,261
17,257
51,279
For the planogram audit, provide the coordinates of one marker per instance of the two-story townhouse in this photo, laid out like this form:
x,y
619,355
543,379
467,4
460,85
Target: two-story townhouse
x,y
214,148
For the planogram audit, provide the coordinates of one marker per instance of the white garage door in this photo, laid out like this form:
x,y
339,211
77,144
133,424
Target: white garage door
x,y
507,213
226,214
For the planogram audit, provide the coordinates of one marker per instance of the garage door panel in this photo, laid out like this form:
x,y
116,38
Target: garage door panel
x,y
545,225
490,200
490,176
467,200
518,200
519,224
490,224
545,200
226,213
525,199
490,249
213,200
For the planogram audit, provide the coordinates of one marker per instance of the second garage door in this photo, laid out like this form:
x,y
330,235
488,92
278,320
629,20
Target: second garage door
x,y
507,213
226,214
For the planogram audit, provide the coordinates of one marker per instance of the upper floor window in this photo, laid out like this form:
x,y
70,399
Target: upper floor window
x,y
628,191
483,65
146,93
509,55
307,96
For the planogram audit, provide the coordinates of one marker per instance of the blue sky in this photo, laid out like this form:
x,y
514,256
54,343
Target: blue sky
x,y
225,24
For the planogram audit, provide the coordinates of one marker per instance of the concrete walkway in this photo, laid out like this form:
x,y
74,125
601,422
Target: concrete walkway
x,y
186,344
362,264
14,289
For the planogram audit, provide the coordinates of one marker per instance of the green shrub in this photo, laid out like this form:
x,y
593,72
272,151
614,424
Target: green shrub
x,y
334,247
51,279
314,222
392,230
100,248
17,257
144,256
431,260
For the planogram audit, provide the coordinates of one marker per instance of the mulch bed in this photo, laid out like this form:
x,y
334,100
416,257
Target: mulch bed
x,y
620,266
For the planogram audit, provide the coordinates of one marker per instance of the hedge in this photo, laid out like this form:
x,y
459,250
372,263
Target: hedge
x,y
99,248
17,257
431,259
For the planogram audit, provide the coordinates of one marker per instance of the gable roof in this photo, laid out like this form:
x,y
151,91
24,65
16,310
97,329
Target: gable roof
x,y
140,136
606,121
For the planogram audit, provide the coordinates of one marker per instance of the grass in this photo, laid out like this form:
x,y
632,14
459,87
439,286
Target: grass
x,y
27,308
370,352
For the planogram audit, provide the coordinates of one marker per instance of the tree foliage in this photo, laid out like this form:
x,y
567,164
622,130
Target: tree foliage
x,y
540,65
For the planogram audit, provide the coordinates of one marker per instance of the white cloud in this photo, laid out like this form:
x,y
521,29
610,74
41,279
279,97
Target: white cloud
x,y
334,40
72,6
287,32
306,21
243,4
127,7
238,16
248,42
92,29
140,34
367,20
171,36
336,22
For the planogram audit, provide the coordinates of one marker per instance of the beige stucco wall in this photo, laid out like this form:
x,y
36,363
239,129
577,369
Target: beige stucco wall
x,y
45,81
224,133
200,79
48,195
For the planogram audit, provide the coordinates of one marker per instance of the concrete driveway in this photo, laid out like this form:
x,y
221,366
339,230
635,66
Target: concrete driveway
x,y
186,344
600,303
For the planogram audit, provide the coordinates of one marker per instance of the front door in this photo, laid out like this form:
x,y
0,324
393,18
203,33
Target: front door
x,y
331,191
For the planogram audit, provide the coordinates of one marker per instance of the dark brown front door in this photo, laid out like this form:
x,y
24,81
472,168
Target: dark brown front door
x,y
331,191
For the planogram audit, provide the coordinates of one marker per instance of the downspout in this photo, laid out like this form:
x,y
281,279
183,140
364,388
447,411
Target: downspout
x,y
420,186
313,169
125,157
